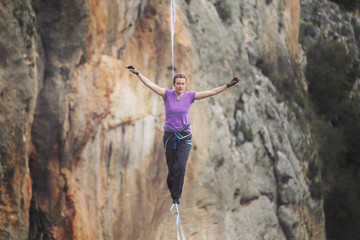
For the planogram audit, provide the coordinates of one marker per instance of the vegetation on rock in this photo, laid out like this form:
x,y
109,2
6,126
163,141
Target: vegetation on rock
x,y
349,4
331,72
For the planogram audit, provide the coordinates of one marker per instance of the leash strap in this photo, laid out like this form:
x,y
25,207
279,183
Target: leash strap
x,y
178,221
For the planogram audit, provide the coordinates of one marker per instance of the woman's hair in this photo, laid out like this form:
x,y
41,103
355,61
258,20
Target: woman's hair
x,y
179,75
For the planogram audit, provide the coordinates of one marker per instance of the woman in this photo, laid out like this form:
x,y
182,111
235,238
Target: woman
x,y
177,132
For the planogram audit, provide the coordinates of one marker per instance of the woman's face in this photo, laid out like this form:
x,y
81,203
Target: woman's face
x,y
180,85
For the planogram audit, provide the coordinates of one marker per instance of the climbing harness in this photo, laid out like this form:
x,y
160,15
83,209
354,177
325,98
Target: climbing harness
x,y
178,136
172,23
178,221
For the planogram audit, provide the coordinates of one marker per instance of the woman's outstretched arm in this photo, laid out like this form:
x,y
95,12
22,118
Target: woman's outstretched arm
x,y
155,88
214,91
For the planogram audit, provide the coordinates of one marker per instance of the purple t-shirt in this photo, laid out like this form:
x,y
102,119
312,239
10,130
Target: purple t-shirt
x,y
177,111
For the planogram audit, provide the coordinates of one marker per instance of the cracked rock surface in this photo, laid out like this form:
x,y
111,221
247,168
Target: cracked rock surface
x,y
81,138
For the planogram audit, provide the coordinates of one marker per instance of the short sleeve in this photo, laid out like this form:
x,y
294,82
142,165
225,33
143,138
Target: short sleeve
x,y
167,92
192,96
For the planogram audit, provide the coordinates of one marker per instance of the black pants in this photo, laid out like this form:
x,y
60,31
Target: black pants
x,y
176,161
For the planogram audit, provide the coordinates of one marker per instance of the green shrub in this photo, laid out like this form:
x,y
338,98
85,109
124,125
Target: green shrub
x,y
332,147
316,190
329,73
286,86
313,170
306,29
350,5
342,211
300,100
350,122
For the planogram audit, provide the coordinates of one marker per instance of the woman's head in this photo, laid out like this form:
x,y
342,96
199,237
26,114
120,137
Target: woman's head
x,y
179,75
179,82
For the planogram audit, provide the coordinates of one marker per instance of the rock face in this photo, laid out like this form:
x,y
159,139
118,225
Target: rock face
x,y
81,138
19,84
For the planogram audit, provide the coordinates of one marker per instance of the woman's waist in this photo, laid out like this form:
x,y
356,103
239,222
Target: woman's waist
x,y
177,128
178,135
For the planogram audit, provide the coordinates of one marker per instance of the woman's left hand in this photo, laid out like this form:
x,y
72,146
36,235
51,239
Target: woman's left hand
x,y
234,81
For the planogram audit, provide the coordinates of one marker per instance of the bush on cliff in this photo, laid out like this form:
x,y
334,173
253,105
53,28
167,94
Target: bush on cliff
x,y
351,5
331,73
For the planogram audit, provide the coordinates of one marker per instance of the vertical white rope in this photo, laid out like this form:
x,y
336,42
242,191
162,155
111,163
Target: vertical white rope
x,y
172,23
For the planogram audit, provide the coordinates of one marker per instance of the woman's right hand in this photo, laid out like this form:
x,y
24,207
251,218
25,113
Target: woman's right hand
x,y
132,69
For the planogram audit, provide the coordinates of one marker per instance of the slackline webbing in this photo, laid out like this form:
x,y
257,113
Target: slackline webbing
x,y
178,221
172,23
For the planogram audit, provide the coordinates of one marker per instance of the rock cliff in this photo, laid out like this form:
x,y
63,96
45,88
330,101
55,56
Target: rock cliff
x,y
81,139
